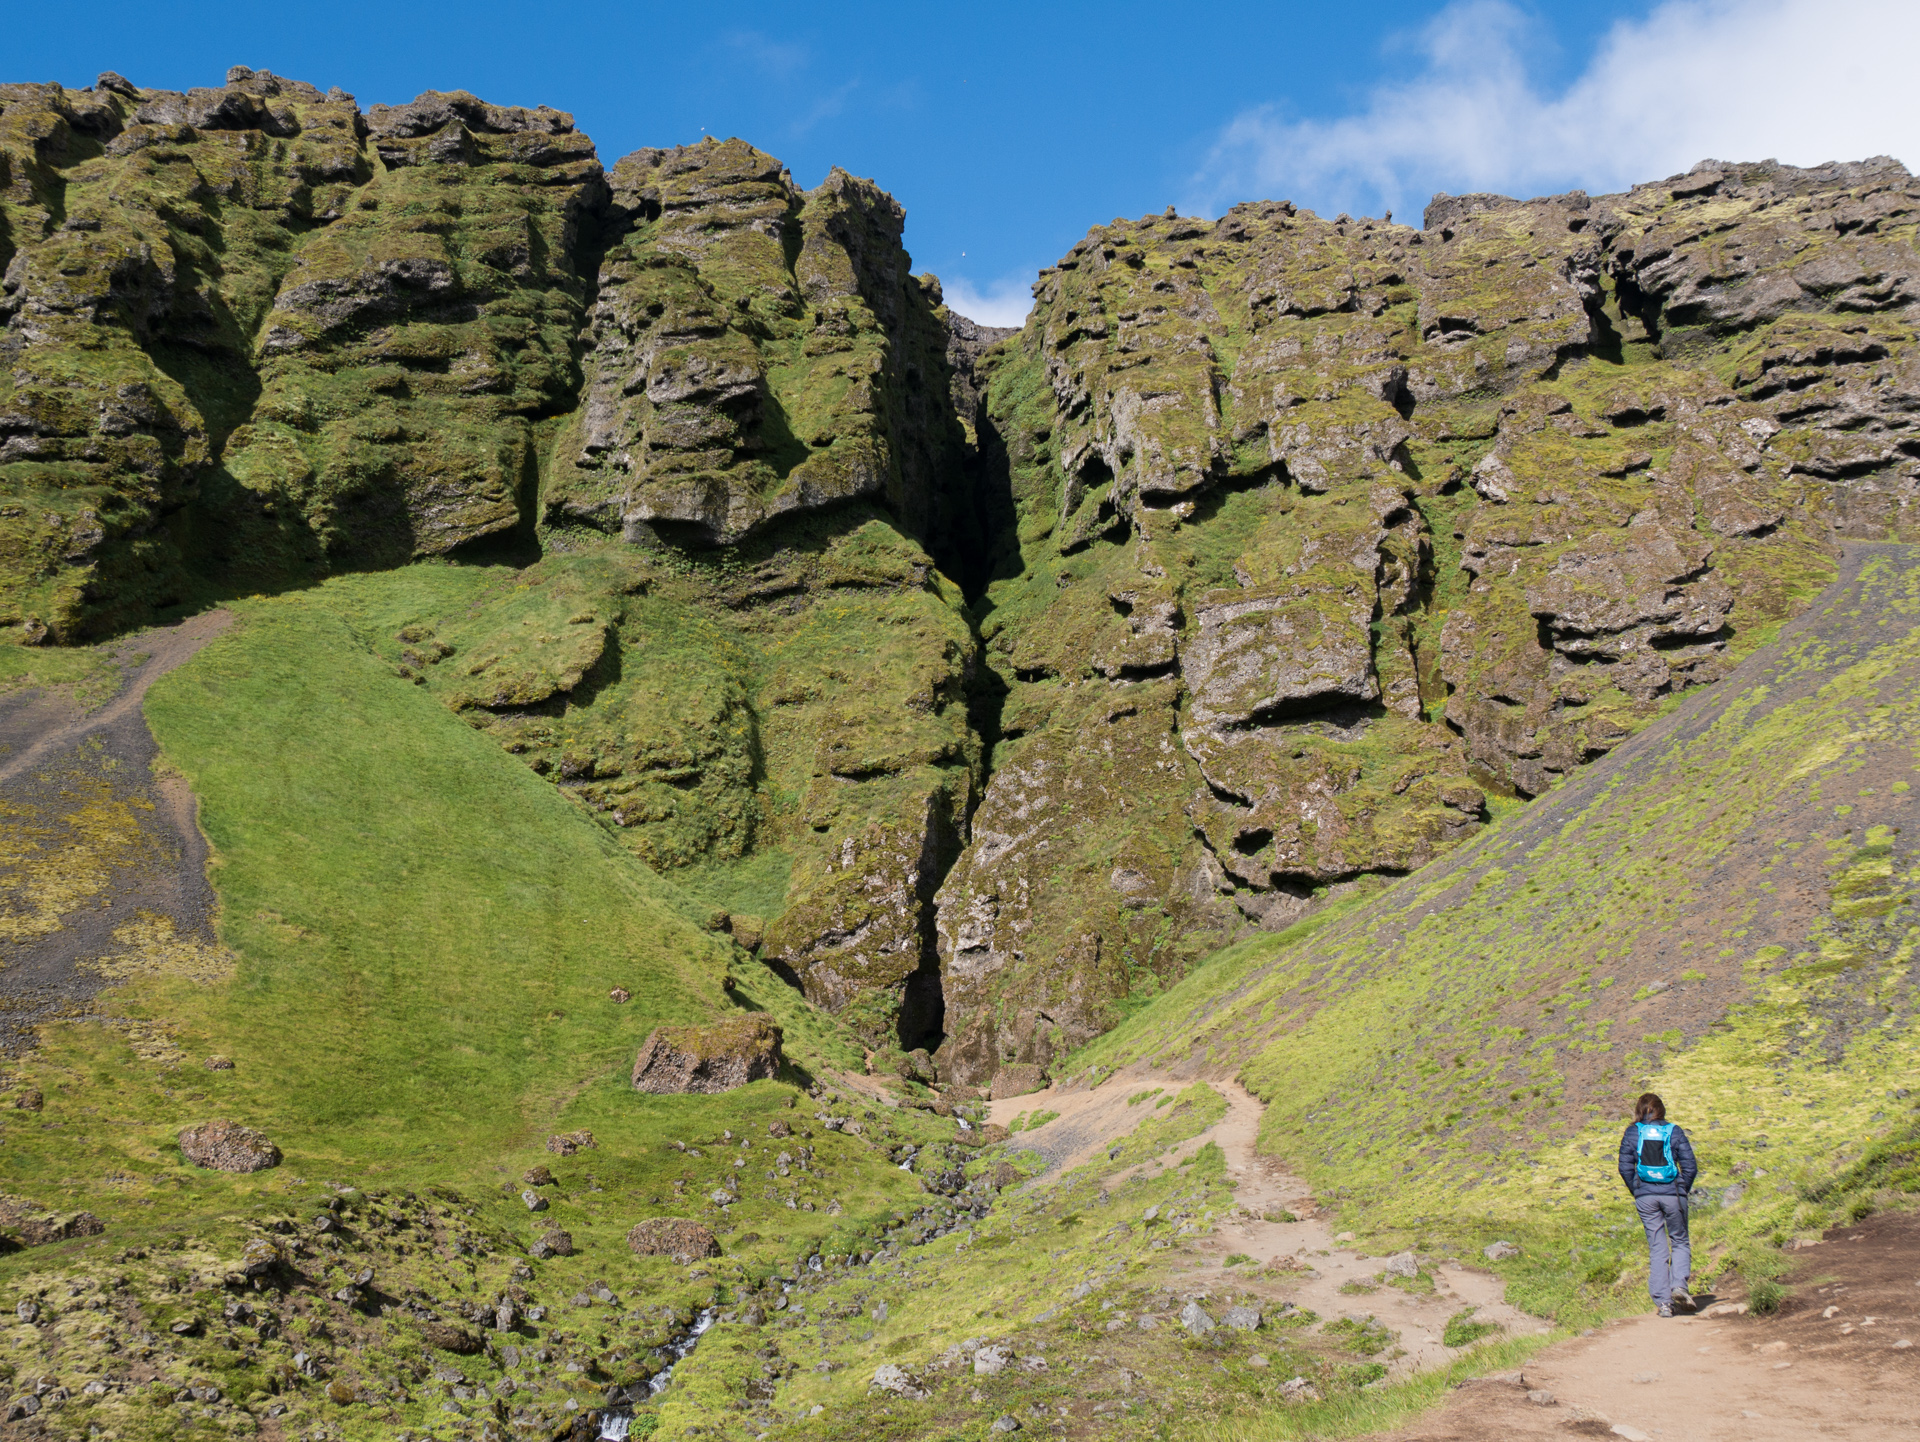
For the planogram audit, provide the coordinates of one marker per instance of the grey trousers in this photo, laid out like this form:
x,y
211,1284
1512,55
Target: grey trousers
x,y
1669,1253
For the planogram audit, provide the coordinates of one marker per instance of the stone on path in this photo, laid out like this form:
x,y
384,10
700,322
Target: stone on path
x,y
1016,1080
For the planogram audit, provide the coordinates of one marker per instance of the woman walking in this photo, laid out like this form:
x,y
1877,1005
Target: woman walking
x,y
1658,1166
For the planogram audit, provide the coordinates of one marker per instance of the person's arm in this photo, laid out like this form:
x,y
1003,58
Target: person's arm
x,y
1683,1157
1628,1161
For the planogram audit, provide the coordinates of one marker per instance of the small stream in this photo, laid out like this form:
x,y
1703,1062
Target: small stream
x,y
614,1425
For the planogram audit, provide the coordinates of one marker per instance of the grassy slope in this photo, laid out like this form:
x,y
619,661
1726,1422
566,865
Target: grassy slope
x,y
428,932
1457,1052
417,939
418,935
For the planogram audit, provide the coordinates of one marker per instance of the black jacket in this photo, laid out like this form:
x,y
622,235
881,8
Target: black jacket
x,y
1682,1156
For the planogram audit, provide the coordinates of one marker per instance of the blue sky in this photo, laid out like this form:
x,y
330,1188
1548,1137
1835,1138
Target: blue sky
x,y
1007,130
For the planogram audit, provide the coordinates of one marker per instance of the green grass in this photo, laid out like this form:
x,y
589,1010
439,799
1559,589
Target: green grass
x,y
1462,1331
84,667
1376,1409
426,935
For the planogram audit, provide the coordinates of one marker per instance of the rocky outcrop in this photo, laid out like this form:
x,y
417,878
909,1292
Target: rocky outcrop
x,y
759,351
224,1146
677,1060
439,325
34,1226
1361,524
1290,541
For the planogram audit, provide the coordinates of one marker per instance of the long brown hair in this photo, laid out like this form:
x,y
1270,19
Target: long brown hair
x,y
1649,1108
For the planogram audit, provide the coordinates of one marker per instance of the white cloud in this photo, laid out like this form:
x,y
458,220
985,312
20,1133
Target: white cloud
x,y
1000,302
1802,81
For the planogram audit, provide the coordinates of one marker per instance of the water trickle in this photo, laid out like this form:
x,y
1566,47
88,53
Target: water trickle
x,y
614,1425
679,1349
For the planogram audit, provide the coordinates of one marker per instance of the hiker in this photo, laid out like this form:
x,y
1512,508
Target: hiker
x,y
1657,1164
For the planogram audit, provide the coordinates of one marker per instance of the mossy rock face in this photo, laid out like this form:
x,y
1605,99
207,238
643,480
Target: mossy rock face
x,y
707,1059
1404,519
759,351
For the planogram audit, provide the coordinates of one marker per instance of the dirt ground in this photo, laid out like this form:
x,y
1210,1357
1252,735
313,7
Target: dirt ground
x,y
1314,1266
94,839
1841,1358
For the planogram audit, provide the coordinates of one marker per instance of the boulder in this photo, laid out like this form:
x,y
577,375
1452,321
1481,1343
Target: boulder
x,y
1016,1079
1241,1319
225,1146
702,1060
538,1177
1403,1264
565,1144
1195,1319
553,1243
1500,1252
898,1381
675,1237
449,1337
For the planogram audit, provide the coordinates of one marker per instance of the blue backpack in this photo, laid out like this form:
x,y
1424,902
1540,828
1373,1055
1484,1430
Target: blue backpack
x,y
1656,1162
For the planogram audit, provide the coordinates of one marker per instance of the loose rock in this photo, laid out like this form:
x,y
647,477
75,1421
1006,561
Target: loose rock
x,y
1016,1079
1500,1252
896,1380
225,1146
703,1060
684,1241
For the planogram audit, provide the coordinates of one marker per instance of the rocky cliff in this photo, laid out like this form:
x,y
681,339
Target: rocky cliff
x,y
980,682
1334,533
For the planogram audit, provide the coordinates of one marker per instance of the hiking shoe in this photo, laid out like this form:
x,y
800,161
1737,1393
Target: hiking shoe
x,y
1665,1310
1682,1298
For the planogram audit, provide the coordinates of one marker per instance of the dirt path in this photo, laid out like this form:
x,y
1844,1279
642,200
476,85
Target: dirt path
x,y
1831,1364
1314,1265
163,649
95,847
1719,1377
